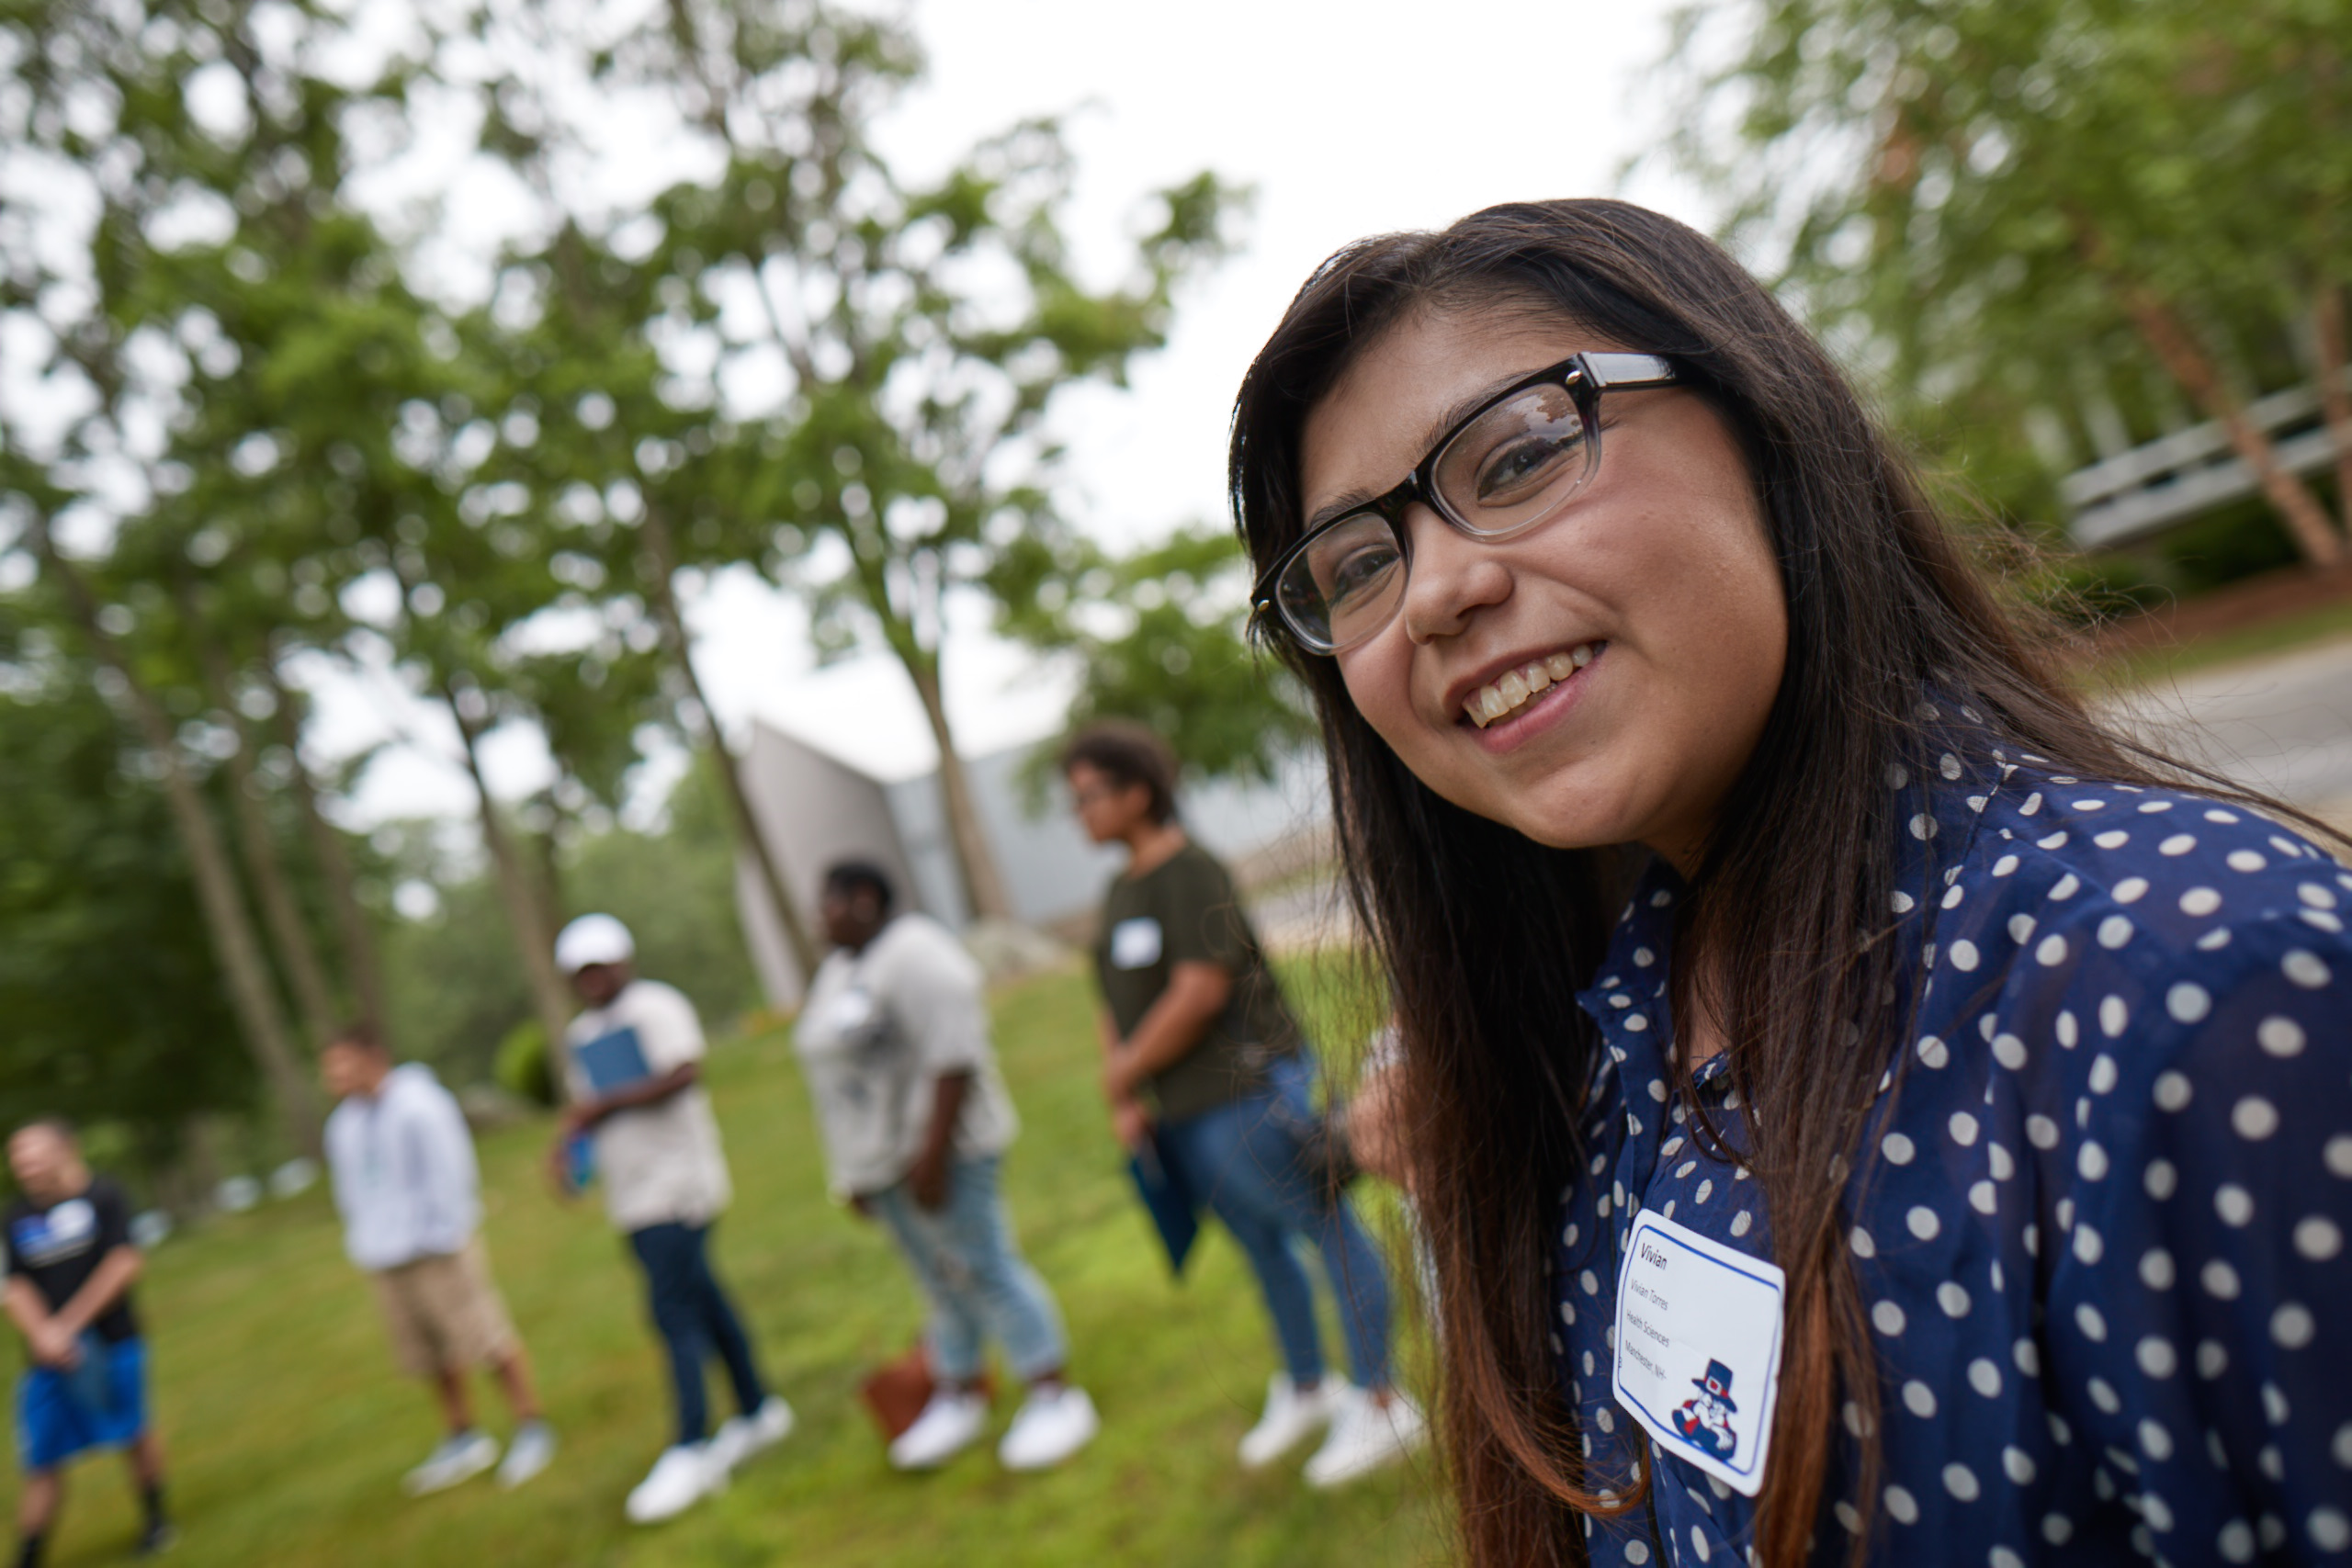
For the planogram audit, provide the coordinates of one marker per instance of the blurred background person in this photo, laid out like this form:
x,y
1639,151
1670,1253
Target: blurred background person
x,y
71,1266
1376,1123
1378,1129
916,1120
632,1071
1196,1029
409,1190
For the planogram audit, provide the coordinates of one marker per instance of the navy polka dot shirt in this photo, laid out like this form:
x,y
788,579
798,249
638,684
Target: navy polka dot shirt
x,y
2100,1219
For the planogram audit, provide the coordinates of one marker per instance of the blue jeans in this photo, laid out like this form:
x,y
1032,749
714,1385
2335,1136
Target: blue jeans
x,y
695,1320
973,1275
1242,1160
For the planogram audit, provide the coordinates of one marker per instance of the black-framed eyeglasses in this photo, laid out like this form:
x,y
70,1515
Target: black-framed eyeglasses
x,y
1512,463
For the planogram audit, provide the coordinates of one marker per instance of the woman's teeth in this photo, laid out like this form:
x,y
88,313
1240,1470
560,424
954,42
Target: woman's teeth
x,y
1501,699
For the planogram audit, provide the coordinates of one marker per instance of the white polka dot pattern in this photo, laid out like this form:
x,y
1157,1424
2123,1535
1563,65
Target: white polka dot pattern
x,y
2099,1213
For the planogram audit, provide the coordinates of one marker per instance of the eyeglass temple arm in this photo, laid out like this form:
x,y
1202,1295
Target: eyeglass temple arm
x,y
1608,371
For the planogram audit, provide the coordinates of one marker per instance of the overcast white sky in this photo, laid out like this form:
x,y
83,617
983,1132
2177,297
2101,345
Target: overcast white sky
x,y
1348,119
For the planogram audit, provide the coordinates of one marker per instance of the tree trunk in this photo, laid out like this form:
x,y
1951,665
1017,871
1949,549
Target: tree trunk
x,y
983,883
547,869
747,832
2176,346
550,997
225,918
290,933
184,1188
361,966
2334,398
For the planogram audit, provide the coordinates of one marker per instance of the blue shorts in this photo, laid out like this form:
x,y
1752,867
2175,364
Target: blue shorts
x,y
100,1404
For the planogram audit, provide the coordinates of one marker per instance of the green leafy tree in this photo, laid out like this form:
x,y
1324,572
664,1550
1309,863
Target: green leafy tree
x,y
2060,210
634,476
617,451
926,449
253,425
1160,634
112,994
135,123
916,335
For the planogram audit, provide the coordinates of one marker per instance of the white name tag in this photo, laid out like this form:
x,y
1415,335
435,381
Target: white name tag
x,y
853,1014
1134,943
1699,1348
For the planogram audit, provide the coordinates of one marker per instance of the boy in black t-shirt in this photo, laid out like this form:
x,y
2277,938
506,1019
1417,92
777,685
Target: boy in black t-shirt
x,y
71,1263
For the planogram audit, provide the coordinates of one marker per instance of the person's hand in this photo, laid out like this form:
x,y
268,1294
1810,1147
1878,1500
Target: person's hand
x,y
1375,1125
54,1345
928,1180
861,1206
1118,1079
580,1119
558,1165
1132,1123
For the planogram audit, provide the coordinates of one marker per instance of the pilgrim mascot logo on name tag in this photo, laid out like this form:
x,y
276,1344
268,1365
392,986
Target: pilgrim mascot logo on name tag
x,y
1698,1347
1135,944
1705,1417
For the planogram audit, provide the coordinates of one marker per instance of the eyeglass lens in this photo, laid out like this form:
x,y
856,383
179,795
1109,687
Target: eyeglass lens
x,y
1509,468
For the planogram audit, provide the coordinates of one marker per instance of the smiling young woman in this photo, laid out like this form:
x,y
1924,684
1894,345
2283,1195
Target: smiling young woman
x,y
1865,1109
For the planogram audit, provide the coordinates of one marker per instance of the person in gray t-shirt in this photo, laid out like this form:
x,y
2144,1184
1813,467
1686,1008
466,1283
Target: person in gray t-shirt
x,y
894,1039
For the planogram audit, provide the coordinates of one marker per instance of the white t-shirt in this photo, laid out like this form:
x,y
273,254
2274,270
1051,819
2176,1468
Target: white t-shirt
x,y
658,1163
879,1029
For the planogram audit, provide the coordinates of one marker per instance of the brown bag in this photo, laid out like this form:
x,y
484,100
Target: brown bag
x,y
896,1391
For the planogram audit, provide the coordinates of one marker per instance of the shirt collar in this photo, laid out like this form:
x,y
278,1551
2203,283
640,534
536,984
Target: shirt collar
x,y
1628,998
1941,798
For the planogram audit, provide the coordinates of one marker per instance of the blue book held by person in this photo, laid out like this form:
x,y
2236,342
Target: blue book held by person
x,y
611,1061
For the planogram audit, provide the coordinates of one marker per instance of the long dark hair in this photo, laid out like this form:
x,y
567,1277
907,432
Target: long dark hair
x,y
1486,937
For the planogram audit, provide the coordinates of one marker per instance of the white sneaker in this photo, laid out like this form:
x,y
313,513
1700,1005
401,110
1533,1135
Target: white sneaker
x,y
1290,1418
1051,1426
948,1425
681,1477
529,1452
1366,1436
740,1436
459,1459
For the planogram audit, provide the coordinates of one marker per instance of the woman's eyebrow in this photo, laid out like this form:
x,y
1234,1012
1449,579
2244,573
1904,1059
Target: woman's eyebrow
x,y
1345,503
1431,434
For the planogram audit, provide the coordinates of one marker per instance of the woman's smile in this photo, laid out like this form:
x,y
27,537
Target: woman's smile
x,y
1530,697
1500,699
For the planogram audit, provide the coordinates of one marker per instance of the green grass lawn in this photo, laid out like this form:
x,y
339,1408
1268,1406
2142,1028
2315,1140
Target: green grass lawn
x,y
288,1430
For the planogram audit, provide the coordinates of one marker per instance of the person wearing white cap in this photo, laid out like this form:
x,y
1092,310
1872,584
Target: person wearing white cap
x,y
631,1068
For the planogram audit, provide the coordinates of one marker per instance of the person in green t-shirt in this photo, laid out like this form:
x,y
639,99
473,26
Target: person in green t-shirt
x,y
1205,1063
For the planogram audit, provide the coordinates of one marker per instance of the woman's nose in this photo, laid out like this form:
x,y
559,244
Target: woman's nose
x,y
1451,578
